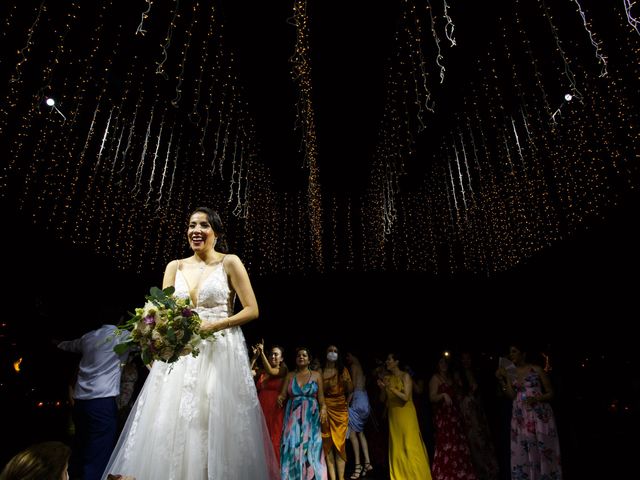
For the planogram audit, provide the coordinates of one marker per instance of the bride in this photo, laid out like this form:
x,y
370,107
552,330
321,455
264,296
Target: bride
x,y
201,419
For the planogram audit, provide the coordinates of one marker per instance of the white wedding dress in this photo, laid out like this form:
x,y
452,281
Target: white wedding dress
x,y
200,419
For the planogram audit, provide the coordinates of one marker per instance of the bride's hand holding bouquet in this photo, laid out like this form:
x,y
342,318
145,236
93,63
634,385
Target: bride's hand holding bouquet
x,y
209,328
165,328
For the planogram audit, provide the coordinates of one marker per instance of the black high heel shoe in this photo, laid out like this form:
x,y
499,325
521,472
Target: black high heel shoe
x,y
357,471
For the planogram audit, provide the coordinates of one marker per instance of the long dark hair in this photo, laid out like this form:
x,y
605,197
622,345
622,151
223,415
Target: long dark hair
x,y
42,461
216,223
339,363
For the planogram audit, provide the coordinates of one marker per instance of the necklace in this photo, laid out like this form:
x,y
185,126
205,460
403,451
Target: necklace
x,y
204,264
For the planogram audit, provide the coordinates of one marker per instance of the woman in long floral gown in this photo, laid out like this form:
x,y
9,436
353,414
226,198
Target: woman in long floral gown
x,y
535,448
301,453
452,458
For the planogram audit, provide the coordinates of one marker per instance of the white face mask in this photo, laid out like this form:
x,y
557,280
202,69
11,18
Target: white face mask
x,y
332,356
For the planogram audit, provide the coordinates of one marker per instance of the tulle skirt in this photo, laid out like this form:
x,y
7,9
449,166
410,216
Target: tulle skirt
x,y
198,418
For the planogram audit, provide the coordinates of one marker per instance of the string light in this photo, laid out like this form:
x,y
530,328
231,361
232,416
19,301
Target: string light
x,y
103,153
436,39
596,45
143,16
305,120
633,21
450,27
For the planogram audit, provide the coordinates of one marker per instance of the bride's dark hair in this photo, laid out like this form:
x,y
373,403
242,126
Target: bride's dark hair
x,y
214,219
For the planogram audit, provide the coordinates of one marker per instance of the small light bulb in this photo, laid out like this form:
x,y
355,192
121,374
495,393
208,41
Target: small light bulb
x,y
568,97
51,102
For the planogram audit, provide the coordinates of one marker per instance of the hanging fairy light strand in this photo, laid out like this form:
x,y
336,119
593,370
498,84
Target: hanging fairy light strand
x,y
596,44
185,50
143,17
154,161
436,39
17,76
305,120
450,26
633,21
567,68
160,70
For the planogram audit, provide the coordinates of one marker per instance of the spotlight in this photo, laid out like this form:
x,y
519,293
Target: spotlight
x,y
568,97
52,103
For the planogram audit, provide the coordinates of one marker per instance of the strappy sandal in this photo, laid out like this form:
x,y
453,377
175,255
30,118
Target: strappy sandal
x,y
357,471
366,469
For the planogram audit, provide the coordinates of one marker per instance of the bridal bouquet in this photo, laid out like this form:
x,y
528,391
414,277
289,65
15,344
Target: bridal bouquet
x,y
165,328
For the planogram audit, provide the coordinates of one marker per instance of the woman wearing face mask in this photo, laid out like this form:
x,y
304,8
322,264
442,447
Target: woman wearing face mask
x,y
337,387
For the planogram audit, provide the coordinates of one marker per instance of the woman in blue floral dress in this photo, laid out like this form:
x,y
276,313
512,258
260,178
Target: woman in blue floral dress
x,y
301,446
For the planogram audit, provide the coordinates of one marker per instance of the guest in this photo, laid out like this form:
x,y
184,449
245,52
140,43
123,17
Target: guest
x,y
359,410
474,420
42,461
337,386
95,411
377,428
315,364
535,448
301,446
407,453
269,381
128,383
452,459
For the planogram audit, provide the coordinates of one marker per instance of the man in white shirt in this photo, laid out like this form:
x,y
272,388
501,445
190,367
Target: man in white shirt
x,y
95,411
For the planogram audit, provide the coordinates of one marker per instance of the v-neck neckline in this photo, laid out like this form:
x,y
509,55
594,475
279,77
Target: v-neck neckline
x,y
301,387
201,282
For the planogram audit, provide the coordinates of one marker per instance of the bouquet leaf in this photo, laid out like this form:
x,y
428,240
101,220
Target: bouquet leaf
x,y
123,348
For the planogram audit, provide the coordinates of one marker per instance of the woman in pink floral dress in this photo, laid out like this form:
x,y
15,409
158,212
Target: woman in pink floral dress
x,y
535,449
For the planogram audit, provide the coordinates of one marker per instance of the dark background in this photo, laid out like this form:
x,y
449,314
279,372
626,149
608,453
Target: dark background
x,y
576,301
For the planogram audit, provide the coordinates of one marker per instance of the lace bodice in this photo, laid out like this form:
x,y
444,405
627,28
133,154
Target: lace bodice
x,y
215,298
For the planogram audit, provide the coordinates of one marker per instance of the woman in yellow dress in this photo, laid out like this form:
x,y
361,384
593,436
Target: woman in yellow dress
x,y
408,459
